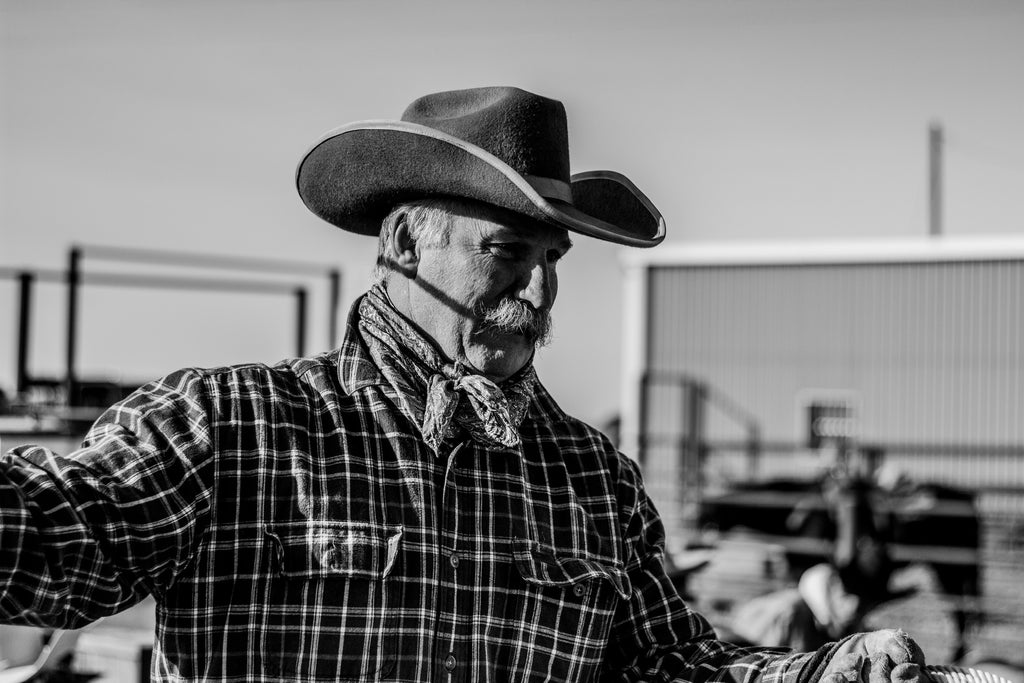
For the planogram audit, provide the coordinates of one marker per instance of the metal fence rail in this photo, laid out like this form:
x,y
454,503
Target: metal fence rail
x,y
679,475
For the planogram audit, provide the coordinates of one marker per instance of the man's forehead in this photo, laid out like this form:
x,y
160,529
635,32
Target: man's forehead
x,y
493,223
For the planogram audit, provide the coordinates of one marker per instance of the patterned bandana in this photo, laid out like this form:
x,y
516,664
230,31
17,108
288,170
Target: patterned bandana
x,y
440,394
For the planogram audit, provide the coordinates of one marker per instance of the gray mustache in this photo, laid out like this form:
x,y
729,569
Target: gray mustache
x,y
518,317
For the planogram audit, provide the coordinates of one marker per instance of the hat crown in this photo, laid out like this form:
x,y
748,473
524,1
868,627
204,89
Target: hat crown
x,y
526,131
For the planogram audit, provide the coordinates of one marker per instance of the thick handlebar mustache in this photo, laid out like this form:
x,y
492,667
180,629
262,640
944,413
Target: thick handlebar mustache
x,y
518,317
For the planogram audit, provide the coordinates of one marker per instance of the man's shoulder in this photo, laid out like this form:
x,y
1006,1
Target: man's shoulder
x,y
578,441
547,412
289,374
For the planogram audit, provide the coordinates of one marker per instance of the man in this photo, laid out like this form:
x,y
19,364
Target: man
x,y
414,505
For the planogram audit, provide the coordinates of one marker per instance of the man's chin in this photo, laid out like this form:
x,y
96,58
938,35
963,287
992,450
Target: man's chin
x,y
501,362
505,341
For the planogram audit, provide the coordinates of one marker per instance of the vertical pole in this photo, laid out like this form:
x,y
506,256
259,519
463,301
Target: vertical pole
x,y
935,179
300,321
335,296
74,278
26,280
753,450
693,440
641,439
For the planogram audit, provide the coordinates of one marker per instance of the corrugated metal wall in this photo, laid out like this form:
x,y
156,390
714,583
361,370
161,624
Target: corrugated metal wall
x,y
930,353
934,350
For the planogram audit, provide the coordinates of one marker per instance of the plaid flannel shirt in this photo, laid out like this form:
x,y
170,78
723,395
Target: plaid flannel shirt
x,y
292,525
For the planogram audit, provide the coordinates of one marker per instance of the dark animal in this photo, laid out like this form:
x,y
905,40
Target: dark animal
x,y
860,549
865,531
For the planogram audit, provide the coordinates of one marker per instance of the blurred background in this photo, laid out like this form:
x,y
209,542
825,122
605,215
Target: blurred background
x,y
842,183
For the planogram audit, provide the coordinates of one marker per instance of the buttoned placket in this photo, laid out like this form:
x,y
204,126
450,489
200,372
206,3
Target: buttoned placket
x,y
448,666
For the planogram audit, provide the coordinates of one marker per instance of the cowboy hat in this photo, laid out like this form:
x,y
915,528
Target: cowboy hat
x,y
502,146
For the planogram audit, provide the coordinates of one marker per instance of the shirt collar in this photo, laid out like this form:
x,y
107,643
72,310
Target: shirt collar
x,y
356,370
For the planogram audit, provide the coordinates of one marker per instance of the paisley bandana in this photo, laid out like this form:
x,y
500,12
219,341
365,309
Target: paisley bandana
x,y
442,395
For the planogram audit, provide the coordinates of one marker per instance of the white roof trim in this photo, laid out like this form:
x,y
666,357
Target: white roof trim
x,y
804,252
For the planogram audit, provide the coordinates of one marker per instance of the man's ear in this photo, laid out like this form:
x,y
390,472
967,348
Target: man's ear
x,y
404,255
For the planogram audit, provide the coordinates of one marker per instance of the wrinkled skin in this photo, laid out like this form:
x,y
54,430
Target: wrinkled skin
x,y
491,255
877,657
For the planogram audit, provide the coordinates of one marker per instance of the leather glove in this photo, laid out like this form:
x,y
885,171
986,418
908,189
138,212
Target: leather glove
x,y
887,656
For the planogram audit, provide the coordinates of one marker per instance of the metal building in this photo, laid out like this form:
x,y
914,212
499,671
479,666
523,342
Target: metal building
x,y
736,354
746,365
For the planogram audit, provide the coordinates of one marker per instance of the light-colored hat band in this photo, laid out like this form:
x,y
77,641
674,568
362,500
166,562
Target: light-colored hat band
x,y
550,188
501,146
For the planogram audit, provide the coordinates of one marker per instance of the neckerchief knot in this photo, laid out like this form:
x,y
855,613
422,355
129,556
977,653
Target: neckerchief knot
x,y
441,396
488,420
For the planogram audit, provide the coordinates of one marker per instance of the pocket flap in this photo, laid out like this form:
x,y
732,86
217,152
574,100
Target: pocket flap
x,y
349,549
546,567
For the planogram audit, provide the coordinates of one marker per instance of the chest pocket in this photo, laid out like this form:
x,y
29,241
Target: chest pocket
x,y
542,566
578,594
335,549
331,594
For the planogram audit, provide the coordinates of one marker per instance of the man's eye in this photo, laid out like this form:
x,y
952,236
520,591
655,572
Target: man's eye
x,y
503,250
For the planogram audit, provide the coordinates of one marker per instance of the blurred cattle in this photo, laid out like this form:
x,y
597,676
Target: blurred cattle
x,y
865,531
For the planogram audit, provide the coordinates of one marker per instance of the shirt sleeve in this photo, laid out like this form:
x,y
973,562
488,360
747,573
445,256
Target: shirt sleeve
x,y
657,637
87,535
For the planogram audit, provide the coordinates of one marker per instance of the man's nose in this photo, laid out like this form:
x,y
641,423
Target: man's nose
x,y
540,286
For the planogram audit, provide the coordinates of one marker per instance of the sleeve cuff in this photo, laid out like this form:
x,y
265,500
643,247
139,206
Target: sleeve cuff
x,y
787,669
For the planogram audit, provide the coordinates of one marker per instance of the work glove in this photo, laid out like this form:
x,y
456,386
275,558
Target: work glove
x,y
888,656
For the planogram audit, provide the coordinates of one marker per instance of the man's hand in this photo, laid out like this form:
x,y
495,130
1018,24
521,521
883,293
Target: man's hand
x,y
888,656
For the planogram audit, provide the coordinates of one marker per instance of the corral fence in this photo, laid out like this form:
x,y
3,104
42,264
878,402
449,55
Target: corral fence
x,y
682,469
153,299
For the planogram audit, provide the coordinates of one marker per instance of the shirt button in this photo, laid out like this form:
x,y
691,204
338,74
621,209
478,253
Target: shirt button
x,y
579,589
449,662
454,560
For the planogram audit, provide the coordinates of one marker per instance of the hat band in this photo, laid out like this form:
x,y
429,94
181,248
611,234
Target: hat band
x,y
550,188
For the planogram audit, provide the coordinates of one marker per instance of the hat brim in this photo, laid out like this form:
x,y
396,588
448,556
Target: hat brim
x,y
354,175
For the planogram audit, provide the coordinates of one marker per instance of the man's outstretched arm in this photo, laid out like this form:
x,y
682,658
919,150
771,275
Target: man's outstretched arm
x,y
90,534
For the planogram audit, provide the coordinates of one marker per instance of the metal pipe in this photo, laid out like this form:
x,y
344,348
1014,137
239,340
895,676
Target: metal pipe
x,y
178,258
74,277
334,276
692,457
25,282
643,439
300,321
935,180
172,282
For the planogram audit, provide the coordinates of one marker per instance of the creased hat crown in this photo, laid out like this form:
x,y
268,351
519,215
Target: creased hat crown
x,y
526,131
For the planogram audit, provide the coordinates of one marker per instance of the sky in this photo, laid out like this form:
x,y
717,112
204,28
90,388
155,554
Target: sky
x,y
178,126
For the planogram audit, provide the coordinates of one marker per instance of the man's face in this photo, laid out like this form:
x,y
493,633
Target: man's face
x,y
486,295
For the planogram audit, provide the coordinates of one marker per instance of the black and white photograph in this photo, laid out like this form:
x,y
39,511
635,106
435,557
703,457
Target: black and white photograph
x,y
582,340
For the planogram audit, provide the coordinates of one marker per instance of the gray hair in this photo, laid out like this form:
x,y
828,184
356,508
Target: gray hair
x,y
429,222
